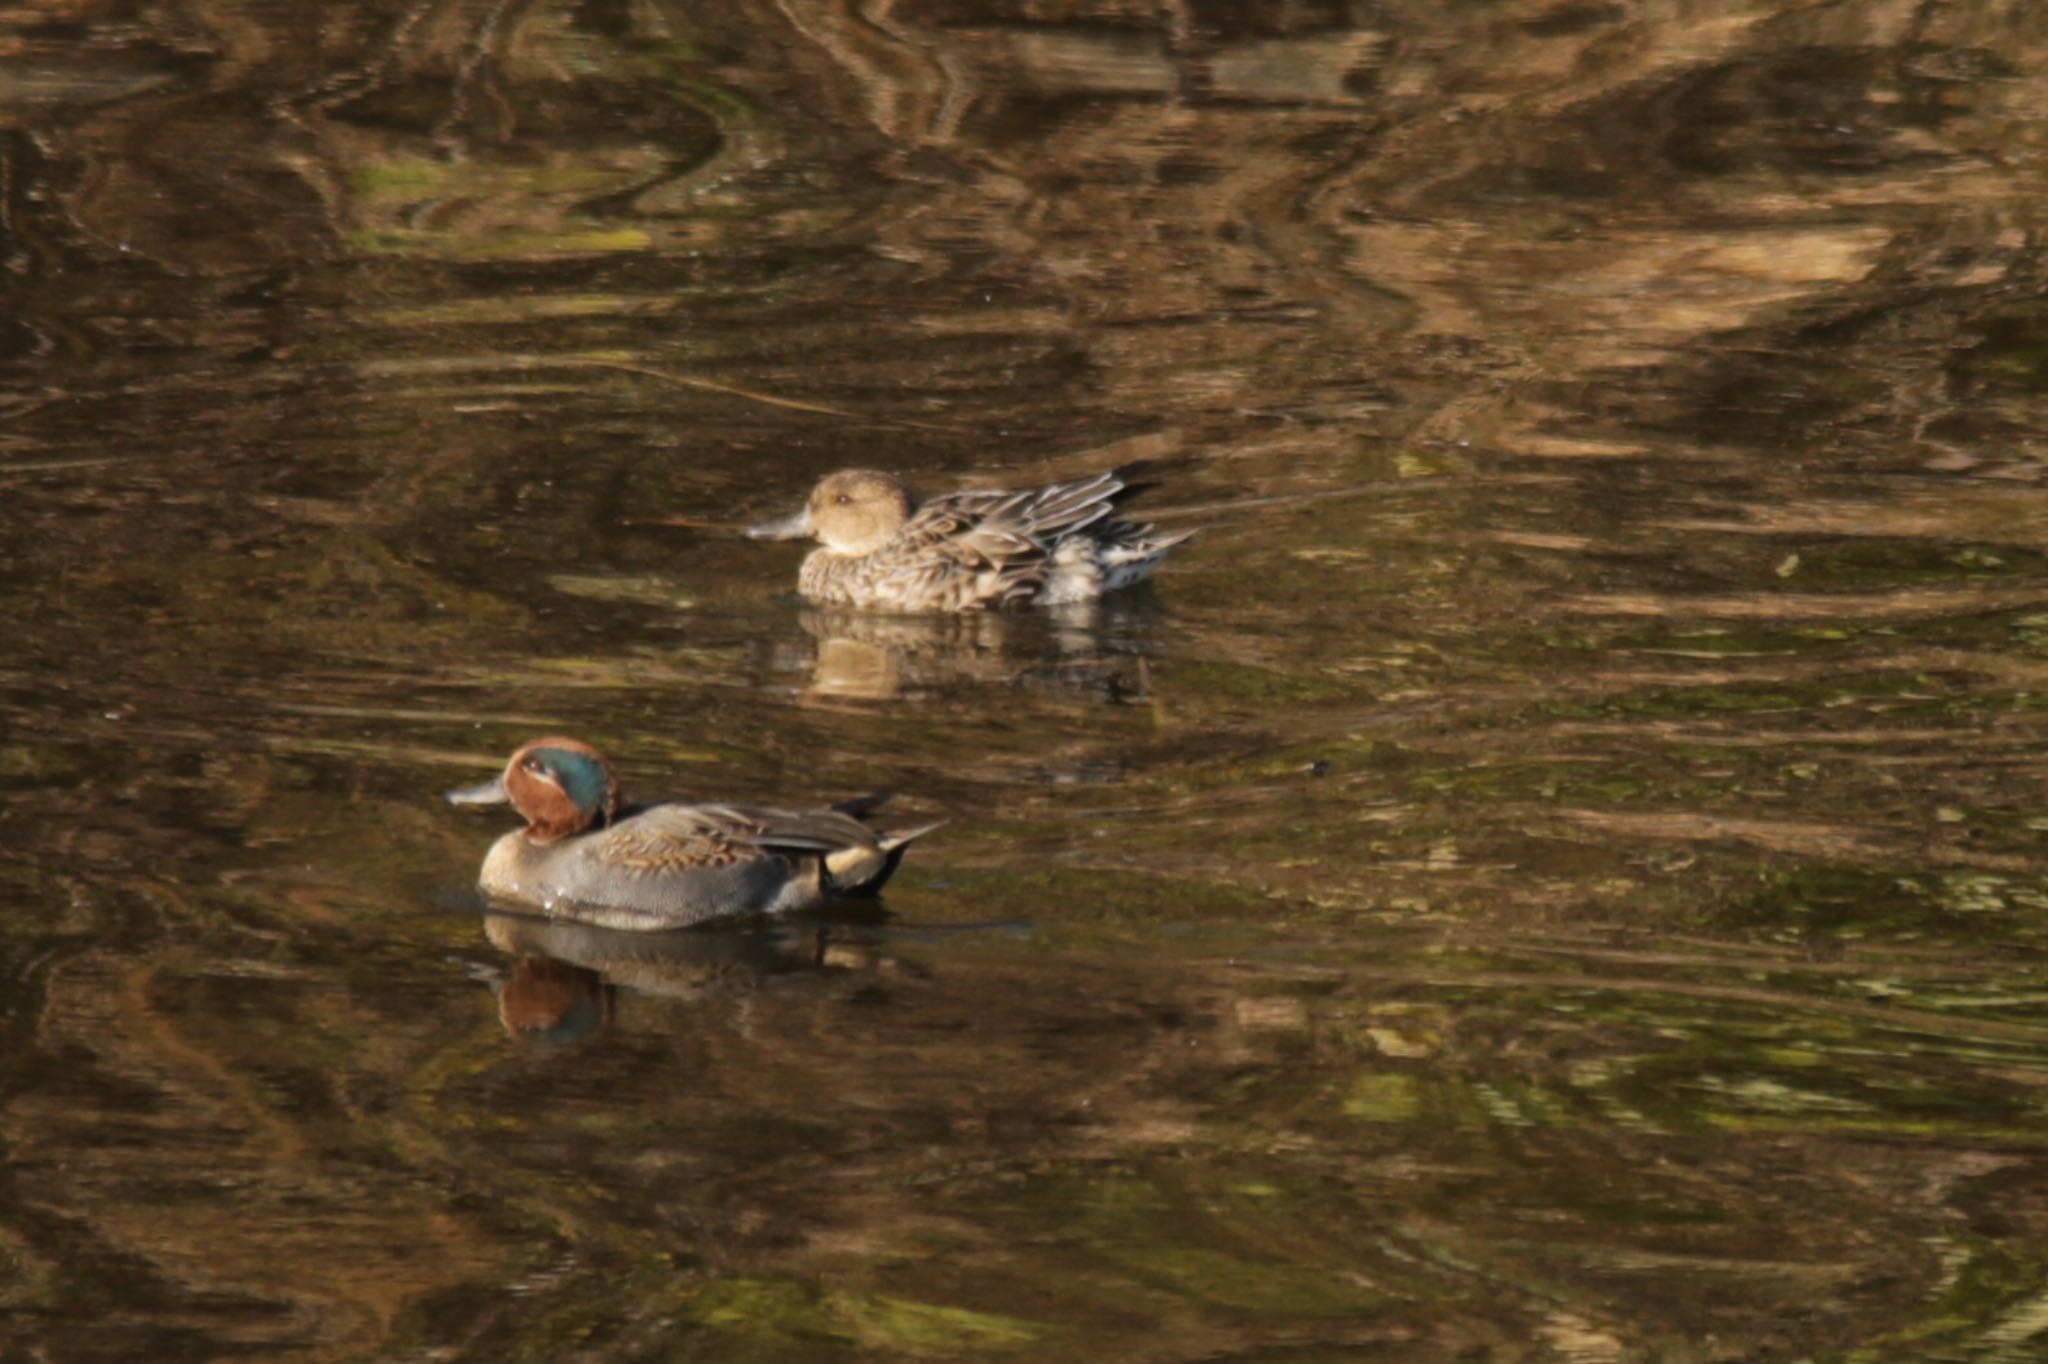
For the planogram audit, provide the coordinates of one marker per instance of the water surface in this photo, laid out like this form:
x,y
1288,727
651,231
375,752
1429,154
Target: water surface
x,y
1550,873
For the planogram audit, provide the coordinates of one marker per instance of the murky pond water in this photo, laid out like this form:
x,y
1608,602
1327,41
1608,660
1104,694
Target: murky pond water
x,y
1552,872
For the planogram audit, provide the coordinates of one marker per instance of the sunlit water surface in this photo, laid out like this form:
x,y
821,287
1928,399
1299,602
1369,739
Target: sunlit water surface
x,y
1552,872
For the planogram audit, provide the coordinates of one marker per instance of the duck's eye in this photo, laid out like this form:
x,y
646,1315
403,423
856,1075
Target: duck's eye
x,y
534,765
843,499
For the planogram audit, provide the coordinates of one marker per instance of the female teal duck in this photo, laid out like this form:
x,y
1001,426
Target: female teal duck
x,y
979,550
586,857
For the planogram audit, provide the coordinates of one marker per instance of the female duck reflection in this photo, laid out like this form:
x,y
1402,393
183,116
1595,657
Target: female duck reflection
x,y
1072,650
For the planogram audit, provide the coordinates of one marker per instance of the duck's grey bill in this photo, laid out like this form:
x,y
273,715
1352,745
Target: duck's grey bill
x,y
491,792
788,528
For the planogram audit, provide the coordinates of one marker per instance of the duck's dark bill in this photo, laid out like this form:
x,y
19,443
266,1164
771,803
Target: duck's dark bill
x,y
788,528
491,792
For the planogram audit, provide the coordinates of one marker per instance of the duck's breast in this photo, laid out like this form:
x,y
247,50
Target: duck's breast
x,y
837,579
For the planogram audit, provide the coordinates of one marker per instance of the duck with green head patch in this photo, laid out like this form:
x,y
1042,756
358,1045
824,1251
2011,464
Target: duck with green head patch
x,y
587,857
979,550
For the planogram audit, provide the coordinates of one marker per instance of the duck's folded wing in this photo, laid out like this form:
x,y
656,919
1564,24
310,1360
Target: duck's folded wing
x,y
738,858
974,529
807,830
1064,508
742,829
1004,525
672,839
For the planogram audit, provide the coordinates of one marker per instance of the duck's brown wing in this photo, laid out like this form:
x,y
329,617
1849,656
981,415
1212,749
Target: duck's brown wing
x,y
683,832
1003,539
973,528
797,830
739,857
853,858
997,524
1060,509
676,838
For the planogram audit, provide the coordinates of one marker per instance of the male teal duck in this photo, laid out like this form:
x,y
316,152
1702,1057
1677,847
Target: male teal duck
x,y
586,857
983,549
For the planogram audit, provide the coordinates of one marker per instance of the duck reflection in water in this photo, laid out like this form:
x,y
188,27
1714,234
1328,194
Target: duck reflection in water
x,y
1082,648
554,1003
562,987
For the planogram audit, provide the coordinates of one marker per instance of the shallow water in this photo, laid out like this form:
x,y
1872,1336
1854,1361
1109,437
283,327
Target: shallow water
x,y
1551,872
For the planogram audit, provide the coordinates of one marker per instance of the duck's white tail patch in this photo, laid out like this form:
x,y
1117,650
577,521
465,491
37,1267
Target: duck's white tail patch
x,y
1084,569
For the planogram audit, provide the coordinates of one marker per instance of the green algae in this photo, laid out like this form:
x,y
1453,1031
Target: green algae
x,y
1984,1280
408,180
30,765
1384,1098
1219,1279
1578,783
878,1321
1872,903
1237,1257
770,1313
1866,561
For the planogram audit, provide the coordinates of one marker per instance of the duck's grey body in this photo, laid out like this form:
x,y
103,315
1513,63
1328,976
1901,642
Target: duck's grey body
x,y
671,866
